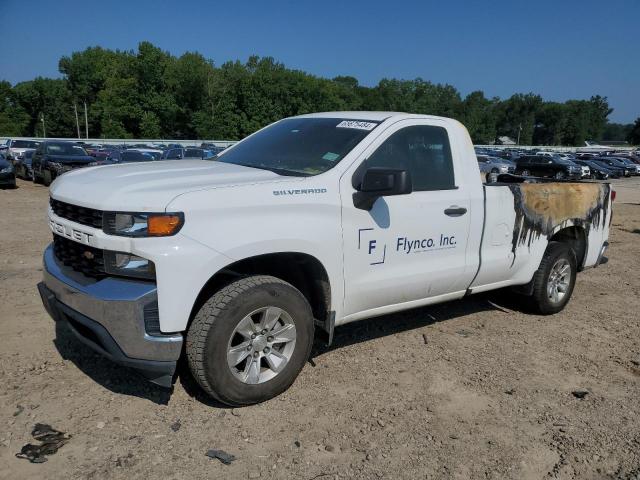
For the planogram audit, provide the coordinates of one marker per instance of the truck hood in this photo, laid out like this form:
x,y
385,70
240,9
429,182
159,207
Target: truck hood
x,y
149,186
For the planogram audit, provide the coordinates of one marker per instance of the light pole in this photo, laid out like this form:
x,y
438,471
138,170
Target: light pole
x,y
86,122
44,131
75,109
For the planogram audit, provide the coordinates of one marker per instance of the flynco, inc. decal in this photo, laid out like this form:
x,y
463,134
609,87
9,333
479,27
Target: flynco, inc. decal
x,y
377,251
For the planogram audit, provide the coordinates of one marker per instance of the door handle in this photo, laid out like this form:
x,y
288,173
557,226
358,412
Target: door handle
x,y
455,211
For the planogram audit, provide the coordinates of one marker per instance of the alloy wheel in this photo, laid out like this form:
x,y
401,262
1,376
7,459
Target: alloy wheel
x,y
559,281
261,345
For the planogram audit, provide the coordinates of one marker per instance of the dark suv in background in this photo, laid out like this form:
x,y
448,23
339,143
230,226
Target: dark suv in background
x,y
53,158
545,166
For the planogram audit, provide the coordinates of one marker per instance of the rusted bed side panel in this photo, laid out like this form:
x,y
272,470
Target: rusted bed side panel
x,y
542,209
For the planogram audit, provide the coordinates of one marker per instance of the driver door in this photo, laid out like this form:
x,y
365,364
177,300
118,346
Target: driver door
x,y
407,247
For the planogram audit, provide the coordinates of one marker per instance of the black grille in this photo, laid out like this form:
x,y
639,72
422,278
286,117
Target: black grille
x,y
75,213
81,258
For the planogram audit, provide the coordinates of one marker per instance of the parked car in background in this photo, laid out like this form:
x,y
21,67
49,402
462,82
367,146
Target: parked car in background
x,y
634,158
627,170
212,147
586,171
23,166
7,173
52,158
629,163
15,148
617,171
156,153
128,156
189,152
545,166
496,165
20,154
598,172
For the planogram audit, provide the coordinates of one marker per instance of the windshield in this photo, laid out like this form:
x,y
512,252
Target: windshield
x,y
63,148
299,146
24,144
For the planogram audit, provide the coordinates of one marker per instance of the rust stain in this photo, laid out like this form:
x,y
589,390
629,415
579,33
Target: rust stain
x,y
541,207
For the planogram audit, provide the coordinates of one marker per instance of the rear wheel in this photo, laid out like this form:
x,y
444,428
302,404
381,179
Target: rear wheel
x,y
250,340
555,279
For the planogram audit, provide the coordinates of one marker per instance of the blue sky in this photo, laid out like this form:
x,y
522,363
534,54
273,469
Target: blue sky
x,y
560,49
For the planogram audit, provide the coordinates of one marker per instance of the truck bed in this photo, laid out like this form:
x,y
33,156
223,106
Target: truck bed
x,y
522,218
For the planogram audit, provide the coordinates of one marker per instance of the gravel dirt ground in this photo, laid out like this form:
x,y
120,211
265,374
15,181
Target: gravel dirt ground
x,y
469,389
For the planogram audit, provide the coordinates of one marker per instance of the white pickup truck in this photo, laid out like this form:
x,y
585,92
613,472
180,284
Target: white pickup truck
x,y
310,223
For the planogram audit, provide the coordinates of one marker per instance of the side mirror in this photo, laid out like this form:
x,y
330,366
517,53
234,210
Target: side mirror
x,y
381,182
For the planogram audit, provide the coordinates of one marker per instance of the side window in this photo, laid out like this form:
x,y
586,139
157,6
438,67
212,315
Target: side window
x,y
424,151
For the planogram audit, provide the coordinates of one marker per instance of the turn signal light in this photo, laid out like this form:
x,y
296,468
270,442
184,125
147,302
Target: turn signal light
x,y
613,195
163,225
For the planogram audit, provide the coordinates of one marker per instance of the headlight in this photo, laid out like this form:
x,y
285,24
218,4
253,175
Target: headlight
x,y
142,224
128,265
8,169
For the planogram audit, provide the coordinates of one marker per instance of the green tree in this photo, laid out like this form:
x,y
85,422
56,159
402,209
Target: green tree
x,y
49,98
634,135
150,126
479,116
14,120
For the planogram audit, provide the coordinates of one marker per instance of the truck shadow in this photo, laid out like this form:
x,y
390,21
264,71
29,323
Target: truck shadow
x,y
125,381
370,329
115,378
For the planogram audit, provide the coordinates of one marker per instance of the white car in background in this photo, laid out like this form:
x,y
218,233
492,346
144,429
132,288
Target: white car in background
x,y
16,148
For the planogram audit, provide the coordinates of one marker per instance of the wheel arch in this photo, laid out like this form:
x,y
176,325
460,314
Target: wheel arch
x,y
576,237
302,270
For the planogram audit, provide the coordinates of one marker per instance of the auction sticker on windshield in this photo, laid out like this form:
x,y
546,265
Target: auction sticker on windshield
x,y
356,124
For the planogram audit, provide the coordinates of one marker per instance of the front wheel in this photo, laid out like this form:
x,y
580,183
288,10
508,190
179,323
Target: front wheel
x,y
250,340
554,280
35,178
47,178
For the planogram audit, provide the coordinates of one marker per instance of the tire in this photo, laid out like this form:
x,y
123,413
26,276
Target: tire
x,y
559,175
214,332
525,173
543,300
36,178
47,177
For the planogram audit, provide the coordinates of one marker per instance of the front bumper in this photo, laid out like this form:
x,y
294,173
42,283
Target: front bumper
x,y
112,316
